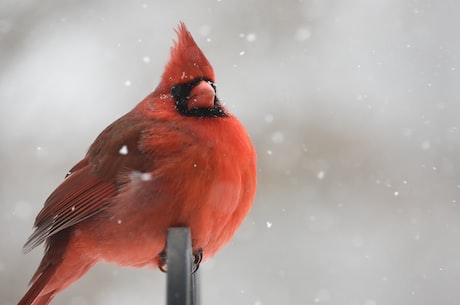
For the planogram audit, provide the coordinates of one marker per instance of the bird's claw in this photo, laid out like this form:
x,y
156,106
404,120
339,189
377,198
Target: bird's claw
x,y
197,258
162,261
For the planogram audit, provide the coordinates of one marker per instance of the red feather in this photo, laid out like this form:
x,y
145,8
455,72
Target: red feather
x,y
179,158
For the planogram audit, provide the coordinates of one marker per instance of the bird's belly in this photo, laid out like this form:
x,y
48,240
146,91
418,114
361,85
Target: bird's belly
x,y
133,231
126,243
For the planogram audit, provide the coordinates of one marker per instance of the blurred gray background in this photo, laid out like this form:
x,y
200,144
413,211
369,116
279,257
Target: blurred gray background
x,y
353,107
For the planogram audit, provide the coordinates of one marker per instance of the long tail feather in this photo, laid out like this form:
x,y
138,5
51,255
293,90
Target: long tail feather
x,y
59,268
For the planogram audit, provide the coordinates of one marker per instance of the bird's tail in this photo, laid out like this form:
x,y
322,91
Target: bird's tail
x,y
35,295
59,268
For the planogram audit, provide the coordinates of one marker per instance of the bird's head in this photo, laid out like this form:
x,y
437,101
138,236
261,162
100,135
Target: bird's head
x,y
189,79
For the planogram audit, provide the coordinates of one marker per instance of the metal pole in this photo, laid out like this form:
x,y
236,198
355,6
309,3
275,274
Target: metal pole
x,y
182,284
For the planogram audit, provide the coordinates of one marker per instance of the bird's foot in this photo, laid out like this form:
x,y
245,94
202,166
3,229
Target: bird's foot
x,y
162,261
197,258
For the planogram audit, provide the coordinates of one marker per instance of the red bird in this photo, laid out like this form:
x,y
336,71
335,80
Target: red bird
x,y
179,158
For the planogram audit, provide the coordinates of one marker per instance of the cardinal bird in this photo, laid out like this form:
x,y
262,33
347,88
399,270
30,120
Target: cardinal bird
x,y
179,158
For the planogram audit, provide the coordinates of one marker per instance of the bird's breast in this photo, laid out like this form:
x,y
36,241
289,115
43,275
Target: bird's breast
x,y
200,183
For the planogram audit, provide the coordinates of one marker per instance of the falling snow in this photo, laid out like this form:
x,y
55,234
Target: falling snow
x,y
320,175
137,177
354,114
322,296
22,210
268,118
426,145
123,150
302,34
278,137
41,152
146,176
251,37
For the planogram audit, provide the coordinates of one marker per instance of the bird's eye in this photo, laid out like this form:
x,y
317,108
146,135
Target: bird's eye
x,y
174,90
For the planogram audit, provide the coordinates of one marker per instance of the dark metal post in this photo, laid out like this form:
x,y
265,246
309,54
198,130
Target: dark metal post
x,y
196,288
182,284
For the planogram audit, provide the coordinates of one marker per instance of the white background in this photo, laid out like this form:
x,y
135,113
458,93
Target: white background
x,y
353,106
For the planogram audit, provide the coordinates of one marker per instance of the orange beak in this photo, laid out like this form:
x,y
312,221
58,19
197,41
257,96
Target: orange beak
x,y
202,96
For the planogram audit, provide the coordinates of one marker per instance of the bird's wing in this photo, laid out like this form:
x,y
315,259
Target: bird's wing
x,y
80,195
92,183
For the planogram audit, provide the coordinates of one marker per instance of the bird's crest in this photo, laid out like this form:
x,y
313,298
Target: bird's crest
x,y
187,62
